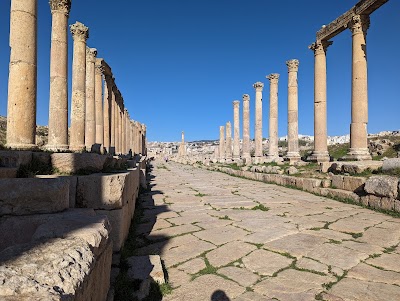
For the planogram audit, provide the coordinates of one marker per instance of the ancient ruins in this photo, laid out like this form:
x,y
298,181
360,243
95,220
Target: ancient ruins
x,y
93,215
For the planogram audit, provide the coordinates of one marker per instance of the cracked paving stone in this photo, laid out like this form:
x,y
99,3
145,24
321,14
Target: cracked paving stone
x,y
219,236
192,266
390,262
368,273
251,296
229,252
266,263
242,276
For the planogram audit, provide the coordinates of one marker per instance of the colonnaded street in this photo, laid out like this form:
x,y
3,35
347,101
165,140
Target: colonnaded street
x,y
227,238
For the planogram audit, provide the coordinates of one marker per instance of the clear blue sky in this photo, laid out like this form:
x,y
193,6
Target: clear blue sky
x,y
180,64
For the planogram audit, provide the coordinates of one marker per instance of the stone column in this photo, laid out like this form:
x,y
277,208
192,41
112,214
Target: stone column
x,y
90,115
273,153
98,102
140,144
359,90
127,133
258,86
113,123
293,154
123,132
120,116
22,77
117,128
246,128
80,34
236,131
58,101
222,143
228,145
106,112
320,153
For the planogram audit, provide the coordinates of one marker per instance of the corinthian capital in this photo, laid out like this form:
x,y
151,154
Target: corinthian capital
x,y
293,65
258,86
359,24
79,32
246,97
236,103
273,77
91,54
62,6
320,47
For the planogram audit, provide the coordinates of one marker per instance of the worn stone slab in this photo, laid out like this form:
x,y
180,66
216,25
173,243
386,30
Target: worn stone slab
x,y
145,267
177,278
207,287
165,233
220,236
229,252
72,186
390,262
329,234
251,296
242,276
14,159
362,247
369,273
268,235
292,285
336,255
23,196
385,186
351,225
74,163
265,262
381,236
296,244
309,264
352,289
192,266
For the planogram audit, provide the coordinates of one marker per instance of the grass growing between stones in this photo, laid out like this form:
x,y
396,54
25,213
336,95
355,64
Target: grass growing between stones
x,y
260,207
200,194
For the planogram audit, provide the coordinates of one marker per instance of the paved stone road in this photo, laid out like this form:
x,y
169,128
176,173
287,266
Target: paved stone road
x,y
218,244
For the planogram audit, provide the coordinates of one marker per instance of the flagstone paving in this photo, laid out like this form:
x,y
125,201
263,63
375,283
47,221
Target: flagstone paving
x,y
227,238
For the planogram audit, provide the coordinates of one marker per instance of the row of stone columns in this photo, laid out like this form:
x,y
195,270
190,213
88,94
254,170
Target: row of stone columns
x,y
225,148
358,25
96,118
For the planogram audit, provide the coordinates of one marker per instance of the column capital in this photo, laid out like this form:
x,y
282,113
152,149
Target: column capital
x,y
91,54
246,97
79,32
273,77
293,65
359,24
61,6
236,103
320,47
258,86
99,66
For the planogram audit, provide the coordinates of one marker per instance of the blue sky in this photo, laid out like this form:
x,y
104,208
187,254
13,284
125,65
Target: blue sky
x,y
180,64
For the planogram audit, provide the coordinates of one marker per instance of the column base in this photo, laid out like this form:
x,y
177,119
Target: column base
x,y
273,158
292,157
258,160
20,146
77,148
318,156
357,154
246,160
56,148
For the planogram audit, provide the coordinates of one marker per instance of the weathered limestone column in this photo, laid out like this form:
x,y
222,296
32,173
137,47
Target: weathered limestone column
x,y
58,101
359,90
140,132
106,112
320,153
136,137
80,34
98,102
120,116
22,78
182,150
236,130
90,115
127,132
258,86
123,131
273,153
222,143
293,154
117,125
113,123
246,129
228,145
144,141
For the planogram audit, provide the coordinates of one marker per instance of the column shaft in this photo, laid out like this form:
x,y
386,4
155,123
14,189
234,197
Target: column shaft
x,y
107,119
222,143
246,128
258,121
22,80
98,103
58,101
113,115
236,130
228,145
90,106
273,153
80,33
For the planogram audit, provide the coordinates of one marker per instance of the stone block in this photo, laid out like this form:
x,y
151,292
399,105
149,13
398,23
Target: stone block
x,y
15,158
42,157
385,186
343,194
374,201
337,181
106,191
300,183
310,184
77,163
32,196
391,164
397,205
55,256
360,166
326,183
144,267
8,172
355,184
72,186
387,203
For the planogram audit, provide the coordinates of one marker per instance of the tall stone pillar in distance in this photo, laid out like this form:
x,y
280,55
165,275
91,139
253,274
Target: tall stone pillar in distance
x,y
58,101
359,90
258,86
293,154
22,78
98,102
320,153
123,131
112,116
182,148
90,106
273,153
107,116
222,143
117,125
228,145
80,34
236,131
246,129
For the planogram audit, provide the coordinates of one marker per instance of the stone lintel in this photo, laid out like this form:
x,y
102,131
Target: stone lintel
x,y
363,7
